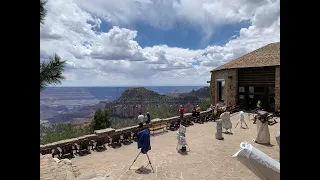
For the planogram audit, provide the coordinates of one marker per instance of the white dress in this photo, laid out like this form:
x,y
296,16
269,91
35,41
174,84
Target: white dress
x,y
181,135
263,135
226,123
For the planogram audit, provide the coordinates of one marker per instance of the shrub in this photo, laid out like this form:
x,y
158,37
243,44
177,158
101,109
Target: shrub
x,y
101,120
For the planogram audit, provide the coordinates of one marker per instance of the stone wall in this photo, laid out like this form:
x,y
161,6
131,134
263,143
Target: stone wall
x,y
106,134
277,88
230,77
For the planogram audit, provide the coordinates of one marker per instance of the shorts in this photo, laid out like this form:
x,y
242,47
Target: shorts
x,y
181,116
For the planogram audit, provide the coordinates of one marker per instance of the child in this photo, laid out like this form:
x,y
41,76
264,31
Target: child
x,y
181,135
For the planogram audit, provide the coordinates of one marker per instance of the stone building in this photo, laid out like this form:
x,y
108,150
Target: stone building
x,y
249,78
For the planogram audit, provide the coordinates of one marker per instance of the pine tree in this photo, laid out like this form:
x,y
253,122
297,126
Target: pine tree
x,y
43,11
101,120
50,71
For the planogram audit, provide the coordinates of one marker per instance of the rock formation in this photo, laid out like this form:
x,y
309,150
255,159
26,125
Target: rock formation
x,y
52,168
135,100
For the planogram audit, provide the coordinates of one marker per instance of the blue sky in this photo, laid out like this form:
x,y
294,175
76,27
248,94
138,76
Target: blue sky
x,y
153,42
181,35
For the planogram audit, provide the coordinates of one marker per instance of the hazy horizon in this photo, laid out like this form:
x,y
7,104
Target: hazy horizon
x,y
138,86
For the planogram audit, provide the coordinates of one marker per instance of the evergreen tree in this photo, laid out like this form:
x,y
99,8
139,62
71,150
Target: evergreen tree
x,y
50,71
101,120
43,11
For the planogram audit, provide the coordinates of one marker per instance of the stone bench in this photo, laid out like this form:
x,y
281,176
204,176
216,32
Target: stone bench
x,y
85,142
157,124
103,137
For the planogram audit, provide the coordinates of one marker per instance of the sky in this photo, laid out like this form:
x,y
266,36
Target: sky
x,y
153,42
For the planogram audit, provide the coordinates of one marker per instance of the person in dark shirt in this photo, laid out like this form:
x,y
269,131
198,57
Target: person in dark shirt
x,y
198,110
148,120
194,112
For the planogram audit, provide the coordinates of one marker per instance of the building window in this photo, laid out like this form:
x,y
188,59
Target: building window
x,y
221,90
251,89
256,89
241,100
241,89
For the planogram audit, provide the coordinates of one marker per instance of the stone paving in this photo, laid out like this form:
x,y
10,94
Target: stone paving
x,y
208,159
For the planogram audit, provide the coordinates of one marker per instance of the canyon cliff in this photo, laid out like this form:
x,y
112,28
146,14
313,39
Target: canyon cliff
x,y
135,100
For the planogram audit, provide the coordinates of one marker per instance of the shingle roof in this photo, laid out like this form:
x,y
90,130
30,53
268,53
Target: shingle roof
x,y
268,55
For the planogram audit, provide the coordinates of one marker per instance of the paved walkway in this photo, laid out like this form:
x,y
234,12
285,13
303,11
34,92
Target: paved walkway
x,y
208,159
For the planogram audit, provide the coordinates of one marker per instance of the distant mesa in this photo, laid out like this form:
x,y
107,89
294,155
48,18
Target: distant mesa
x,y
135,100
122,102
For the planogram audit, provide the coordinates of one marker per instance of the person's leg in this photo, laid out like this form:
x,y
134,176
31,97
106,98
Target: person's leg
x,y
246,125
237,124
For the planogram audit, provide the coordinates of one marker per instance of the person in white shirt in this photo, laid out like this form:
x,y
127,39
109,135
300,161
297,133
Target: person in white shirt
x,y
140,119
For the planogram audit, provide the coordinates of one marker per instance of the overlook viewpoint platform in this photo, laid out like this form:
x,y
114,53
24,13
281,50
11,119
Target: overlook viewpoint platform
x,y
209,158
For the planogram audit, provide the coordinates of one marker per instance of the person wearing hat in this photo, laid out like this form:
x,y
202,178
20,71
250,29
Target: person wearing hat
x,y
241,120
148,120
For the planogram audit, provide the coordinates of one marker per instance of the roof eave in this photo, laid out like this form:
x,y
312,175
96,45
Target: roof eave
x,y
214,70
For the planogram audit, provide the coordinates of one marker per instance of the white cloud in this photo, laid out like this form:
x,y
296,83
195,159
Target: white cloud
x,y
116,58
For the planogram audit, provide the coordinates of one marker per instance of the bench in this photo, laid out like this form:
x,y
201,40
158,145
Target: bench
x,y
115,138
103,137
127,134
157,124
84,143
67,146
46,149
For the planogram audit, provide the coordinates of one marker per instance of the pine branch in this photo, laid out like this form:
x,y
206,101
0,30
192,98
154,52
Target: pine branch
x,y
43,11
51,71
